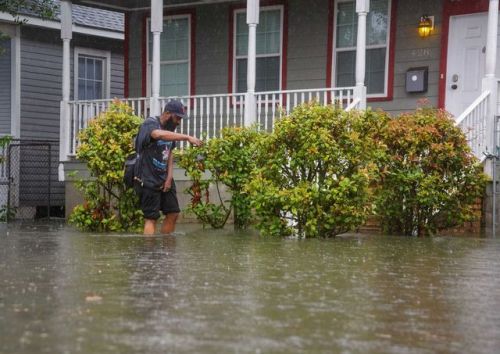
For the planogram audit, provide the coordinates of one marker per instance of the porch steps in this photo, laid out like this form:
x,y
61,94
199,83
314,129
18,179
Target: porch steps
x,y
371,226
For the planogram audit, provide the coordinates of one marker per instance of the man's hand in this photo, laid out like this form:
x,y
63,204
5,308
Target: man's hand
x,y
195,141
167,185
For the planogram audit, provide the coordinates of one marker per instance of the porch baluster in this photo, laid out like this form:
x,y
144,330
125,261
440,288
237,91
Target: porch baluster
x,y
74,130
243,109
221,112
195,116
214,104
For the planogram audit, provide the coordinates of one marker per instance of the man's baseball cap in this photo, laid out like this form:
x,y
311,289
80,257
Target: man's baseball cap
x,y
175,107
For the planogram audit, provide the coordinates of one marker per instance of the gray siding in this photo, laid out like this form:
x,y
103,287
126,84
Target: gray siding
x,y
117,75
135,53
41,89
307,44
41,78
413,51
307,49
5,94
212,42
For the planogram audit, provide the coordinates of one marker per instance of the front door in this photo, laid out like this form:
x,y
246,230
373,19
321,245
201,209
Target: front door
x,y
466,60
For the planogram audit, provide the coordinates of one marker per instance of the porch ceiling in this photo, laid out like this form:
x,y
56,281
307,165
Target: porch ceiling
x,y
130,5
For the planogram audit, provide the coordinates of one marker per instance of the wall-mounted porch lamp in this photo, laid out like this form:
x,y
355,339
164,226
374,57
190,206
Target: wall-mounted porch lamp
x,y
425,26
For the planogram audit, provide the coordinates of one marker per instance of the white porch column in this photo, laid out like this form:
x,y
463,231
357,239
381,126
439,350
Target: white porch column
x,y
252,21
491,39
15,82
156,30
362,9
66,36
490,81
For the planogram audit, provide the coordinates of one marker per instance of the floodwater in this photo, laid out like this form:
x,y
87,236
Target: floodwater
x,y
206,291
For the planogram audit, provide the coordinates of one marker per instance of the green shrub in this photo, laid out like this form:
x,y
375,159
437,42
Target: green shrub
x,y
104,146
432,180
5,212
229,161
4,142
314,171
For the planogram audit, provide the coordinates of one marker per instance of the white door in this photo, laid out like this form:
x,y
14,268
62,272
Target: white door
x,y
466,60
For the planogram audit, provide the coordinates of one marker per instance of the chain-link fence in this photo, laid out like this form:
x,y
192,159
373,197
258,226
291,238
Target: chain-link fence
x,y
4,184
29,187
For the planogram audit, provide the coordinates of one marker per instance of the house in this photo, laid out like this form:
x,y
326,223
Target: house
x,y
31,89
236,62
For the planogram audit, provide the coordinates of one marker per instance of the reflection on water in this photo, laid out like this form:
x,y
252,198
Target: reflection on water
x,y
216,292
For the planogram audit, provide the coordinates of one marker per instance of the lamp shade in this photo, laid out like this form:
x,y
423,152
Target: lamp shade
x,y
425,26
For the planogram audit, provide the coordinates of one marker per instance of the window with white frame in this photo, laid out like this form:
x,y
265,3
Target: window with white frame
x,y
175,55
91,74
269,50
377,45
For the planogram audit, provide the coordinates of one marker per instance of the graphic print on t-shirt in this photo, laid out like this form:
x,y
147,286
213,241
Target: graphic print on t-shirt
x,y
165,147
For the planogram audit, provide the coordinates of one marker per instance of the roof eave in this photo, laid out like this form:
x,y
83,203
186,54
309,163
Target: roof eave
x,y
144,5
49,24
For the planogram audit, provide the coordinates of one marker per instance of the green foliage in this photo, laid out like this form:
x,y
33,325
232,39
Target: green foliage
x,y
3,39
432,179
229,161
7,213
314,171
104,146
44,9
4,142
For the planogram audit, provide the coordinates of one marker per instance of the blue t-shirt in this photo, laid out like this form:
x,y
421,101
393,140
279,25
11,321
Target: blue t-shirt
x,y
153,154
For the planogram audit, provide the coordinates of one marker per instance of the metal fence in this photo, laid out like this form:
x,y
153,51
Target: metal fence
x,y
29,187
4,183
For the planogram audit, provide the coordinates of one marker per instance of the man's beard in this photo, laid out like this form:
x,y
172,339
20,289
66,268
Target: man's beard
x,y
170,125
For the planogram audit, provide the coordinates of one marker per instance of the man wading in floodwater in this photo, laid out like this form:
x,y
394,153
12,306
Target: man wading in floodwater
x,y
154,170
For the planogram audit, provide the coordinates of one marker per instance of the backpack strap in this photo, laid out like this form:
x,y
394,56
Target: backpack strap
x,y
138,158
137,143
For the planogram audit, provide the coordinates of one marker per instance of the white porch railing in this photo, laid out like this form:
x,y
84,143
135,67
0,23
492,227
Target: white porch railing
x,y
210,113
272,105
353,105
80,112
474,122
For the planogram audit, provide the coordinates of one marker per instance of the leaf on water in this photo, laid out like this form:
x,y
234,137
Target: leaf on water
x,y
93,298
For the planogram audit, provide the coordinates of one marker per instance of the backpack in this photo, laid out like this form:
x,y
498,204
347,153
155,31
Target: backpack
x,y
132,166
129,175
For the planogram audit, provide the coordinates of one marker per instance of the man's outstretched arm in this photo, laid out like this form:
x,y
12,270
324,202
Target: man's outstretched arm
x,y
159,134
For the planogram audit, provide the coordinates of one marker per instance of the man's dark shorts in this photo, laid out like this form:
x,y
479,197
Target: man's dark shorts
x,y
152,201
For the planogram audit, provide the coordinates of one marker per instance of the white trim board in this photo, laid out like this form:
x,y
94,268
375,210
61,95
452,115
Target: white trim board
x,y
169,6
103,54
15,84
33,21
